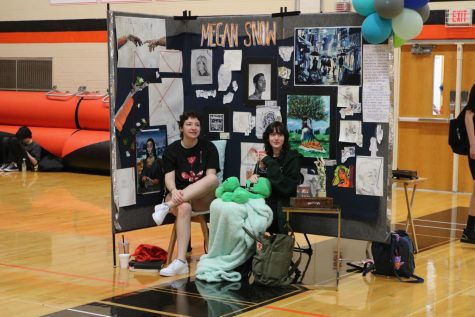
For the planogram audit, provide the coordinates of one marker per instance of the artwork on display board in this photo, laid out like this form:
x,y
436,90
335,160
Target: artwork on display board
x,y
150,145
259,76
327,56
308,122
369,175
139,41
251,153
216,121
201,67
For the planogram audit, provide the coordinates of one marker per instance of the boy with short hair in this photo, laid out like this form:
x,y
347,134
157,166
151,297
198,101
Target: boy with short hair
x,y
15,149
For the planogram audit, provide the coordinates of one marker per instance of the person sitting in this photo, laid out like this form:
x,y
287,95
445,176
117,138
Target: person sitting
x,y
281,166
190,166
16,149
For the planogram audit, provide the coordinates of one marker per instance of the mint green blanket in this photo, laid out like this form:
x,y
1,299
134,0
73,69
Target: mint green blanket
x,y
229,245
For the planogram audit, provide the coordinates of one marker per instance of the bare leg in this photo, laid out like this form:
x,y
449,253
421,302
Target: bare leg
x,y
471,208
201,189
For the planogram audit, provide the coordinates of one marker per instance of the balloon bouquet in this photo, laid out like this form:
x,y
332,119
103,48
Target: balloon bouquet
x,y
402,17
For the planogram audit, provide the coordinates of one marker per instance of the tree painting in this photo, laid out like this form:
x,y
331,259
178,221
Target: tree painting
x,y
308,122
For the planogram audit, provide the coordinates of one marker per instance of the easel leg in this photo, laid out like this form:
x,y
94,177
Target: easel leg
x,y
409,220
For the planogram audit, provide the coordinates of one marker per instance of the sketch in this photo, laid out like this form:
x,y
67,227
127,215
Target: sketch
x,y
139,41
201,67
216,122
224,77
166,104
347,152
242,122
251,153
308,122
349,98
369,175
327,56
350,131
265,115
150,145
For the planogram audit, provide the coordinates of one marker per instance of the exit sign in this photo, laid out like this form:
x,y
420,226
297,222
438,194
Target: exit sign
x,y
459,17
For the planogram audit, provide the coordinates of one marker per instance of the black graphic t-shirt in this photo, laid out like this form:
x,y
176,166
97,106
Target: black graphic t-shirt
x,y
190,165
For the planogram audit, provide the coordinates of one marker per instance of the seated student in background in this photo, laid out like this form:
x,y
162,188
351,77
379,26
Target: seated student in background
x,y
14,149
281,166
190,166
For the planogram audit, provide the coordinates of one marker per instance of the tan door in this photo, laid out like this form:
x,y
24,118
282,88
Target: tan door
x,y
422,145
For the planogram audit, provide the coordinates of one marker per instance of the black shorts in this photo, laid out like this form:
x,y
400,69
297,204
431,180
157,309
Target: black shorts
x,y
471,164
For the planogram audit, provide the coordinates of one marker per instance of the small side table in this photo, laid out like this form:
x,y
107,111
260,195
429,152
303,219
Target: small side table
x,y
322,211
409,219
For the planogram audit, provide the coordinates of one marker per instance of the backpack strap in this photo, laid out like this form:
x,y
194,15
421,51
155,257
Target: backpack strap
x,y
415,278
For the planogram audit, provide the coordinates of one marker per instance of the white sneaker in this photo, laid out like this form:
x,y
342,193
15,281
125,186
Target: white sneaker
x,y
176,267
3,167
160,212
11,168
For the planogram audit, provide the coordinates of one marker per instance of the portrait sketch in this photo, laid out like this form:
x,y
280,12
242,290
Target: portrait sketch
x,y
369,175
259,82
327,56
150,145
201,67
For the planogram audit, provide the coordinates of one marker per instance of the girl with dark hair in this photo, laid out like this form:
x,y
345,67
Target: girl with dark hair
x,y
281,166
468,234
151,177
190,166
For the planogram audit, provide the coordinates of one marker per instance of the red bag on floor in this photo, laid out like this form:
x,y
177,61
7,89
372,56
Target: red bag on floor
x,y
148,252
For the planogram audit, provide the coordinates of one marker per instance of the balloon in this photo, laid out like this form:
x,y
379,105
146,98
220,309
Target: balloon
x,y
376,29
408,24
364,7
388,8
397,41
424,12
414,4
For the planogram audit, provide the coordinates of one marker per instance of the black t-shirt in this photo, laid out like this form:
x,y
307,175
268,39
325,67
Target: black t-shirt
x,y
190,165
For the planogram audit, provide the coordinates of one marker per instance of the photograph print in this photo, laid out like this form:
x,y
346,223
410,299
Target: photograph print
x,y
327,56
150,145
201,67
258,76
308,122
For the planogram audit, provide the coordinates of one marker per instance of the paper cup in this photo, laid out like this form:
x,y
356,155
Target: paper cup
x,y
124,260
123,247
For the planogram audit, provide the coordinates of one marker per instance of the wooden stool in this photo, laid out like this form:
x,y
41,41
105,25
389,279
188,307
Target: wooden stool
x,y
196,216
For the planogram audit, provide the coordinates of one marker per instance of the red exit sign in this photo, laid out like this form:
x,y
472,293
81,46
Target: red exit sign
x,y
459,17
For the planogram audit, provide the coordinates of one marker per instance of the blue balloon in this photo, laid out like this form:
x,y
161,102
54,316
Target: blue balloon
x,y
364,7
376,29
414,4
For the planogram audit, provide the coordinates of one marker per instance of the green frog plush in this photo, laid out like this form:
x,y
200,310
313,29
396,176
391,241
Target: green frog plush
x,y
231,190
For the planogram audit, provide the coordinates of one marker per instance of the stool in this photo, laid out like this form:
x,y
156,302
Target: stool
x,y
196,216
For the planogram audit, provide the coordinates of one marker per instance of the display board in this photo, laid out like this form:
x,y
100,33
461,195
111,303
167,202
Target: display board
x,y
313,72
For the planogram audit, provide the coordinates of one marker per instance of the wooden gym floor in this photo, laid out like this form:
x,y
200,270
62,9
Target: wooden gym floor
x,y
56,260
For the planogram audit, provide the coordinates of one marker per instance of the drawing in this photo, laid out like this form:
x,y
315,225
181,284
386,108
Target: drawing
x,y
216,122
150,145
308,122
369,175
327,56
201,67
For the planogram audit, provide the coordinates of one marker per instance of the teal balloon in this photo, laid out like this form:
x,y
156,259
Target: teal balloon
x,y
388,9
364,7
408,24
424,12
376,29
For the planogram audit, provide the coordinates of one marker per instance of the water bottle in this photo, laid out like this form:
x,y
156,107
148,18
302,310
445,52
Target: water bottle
x,y
23,166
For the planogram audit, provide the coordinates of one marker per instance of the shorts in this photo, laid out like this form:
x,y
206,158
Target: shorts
x,y
471,164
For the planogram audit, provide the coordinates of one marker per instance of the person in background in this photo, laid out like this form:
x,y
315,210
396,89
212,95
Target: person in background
x,y
15,149
468,234
281,166
190,166
259,81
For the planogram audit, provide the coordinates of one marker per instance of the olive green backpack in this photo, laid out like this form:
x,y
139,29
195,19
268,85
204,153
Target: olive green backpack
x,y
272,264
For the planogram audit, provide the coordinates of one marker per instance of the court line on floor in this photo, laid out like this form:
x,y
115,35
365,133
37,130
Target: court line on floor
x,y
62,273
295,311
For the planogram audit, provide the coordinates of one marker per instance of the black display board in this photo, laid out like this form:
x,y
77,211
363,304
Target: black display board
x,y
317,66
